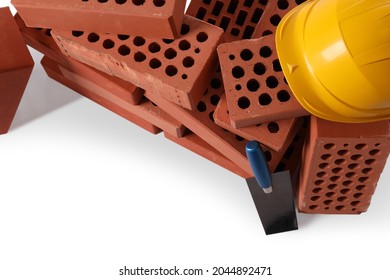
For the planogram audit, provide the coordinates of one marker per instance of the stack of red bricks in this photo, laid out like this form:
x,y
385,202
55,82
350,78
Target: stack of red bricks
x,y
210,80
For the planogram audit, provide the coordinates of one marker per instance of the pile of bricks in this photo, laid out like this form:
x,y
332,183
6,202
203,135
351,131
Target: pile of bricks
x,y
209,79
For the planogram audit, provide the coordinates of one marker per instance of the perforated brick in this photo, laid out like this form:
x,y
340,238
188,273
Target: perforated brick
x,y
201,122
179,69
41,40
150,18
275,135
273,13
342,164
237,18
255,87
16,65
195,144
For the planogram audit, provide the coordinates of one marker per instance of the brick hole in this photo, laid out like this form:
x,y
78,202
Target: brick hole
x,y
315,198
248,3
340,207
317,190
240,20
232,6
268,155
207,2
363,179
154,47
345,191
283,4
102,1
350,175
155,63
276,65
239,138
201,107
340,161
215,83
184,45
321,174
252,85
202,37
124,50
159,3
243,102
171,70
248,32
139,56
238,87
346,145
355,203
139,41
93,37
263,2
299,1
246,54
265,52
342,199
377,144
343,152
211,116
328,202
224,24
217,8
326,156
332,187
323,165
330,194
138,2
335,178
370,161
358,195
201,13
329,146
123,37
184,76
120,2
197,50
170,53
257,15
214,99
188,62
259,68
238,72
272,82
367,171
374,152
319,182
283,95
275,19
356,157
108,44
289,152
211,21
232,57
168,41
273,127
266,33
347,183
235,31
265,99
360,146
360,187
353,166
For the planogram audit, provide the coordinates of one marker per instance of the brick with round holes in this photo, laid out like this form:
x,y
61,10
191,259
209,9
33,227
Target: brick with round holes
x,y
237,18
16,65
151,18
275,135
273,13
341,167
53,71
41,40
179,69
255,87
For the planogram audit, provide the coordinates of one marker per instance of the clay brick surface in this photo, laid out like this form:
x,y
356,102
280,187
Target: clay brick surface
x,y
53,70
255,87
42,41
237,18
151,18
16,65
273,13
179,69
195,144
342,164
275,135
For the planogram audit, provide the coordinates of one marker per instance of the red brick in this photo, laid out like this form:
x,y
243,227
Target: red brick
x,y
106,16
179,70
255,87
53,70
275,135
41,40
237,18
342,164
195,144
16,65
273,13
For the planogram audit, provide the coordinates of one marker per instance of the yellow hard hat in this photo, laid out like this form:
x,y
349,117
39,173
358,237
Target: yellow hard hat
x,y
335,55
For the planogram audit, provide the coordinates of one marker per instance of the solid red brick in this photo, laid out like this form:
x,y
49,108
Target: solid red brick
x,y
255,87
341,167
53,70
154,19
195,144
275,135
42,41
273,13
179,69
16,65
237,18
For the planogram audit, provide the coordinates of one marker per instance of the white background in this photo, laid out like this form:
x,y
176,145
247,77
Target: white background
x,y
83,192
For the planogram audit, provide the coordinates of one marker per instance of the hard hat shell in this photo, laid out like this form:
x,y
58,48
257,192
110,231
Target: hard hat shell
x,y
335,55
